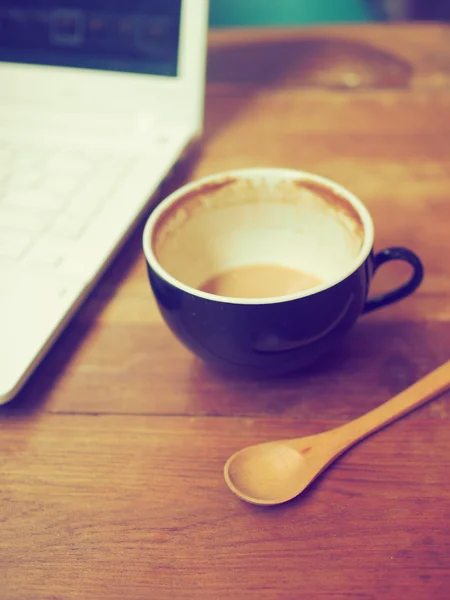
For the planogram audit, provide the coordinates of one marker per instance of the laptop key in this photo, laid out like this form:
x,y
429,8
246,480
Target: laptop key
x,y
25,178
13,244
47,253
61,184
37,199
67,226
68,164
6,157
12,218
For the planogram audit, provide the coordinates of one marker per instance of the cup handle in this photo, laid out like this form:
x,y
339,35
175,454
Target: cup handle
x,y
396,253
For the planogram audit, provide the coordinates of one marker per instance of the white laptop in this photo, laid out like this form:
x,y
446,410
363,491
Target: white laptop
x,y
97,103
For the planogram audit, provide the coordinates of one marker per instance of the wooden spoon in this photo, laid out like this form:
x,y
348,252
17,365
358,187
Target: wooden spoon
x,y
275,472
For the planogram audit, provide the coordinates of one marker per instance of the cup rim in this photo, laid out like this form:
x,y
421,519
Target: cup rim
x,y
277,174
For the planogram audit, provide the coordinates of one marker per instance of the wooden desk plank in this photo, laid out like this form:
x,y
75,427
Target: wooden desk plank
x,y
111,507
150,373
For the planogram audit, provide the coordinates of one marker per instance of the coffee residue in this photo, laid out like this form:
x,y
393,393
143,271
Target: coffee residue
x,y
259,281
190,202
335,200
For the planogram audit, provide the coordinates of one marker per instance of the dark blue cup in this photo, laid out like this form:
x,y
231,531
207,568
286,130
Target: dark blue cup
x,y
254,221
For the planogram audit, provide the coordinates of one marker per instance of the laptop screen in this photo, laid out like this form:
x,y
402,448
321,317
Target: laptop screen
x,y
138,36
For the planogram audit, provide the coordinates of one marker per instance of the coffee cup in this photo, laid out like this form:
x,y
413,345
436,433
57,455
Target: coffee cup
x,y
263,271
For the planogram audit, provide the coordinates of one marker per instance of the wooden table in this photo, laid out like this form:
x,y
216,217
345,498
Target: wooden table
x,y
111,459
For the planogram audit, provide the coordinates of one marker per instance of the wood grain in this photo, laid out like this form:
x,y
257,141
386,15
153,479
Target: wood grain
x,y
111,458
118,507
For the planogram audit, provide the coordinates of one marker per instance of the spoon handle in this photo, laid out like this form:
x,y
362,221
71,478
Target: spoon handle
x,y
419,393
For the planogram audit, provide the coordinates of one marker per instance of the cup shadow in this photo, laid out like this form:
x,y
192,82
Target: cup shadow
x,y
376,360
311,61
242,68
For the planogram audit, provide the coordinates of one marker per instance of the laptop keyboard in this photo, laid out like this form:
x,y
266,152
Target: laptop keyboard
x,y
48,196
66,206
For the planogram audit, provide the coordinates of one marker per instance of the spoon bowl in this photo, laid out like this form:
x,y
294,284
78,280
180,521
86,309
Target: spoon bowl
x,y
264,473
275,472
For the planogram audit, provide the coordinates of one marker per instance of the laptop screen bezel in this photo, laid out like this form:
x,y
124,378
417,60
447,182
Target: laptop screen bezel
x,y
177,98
127,36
